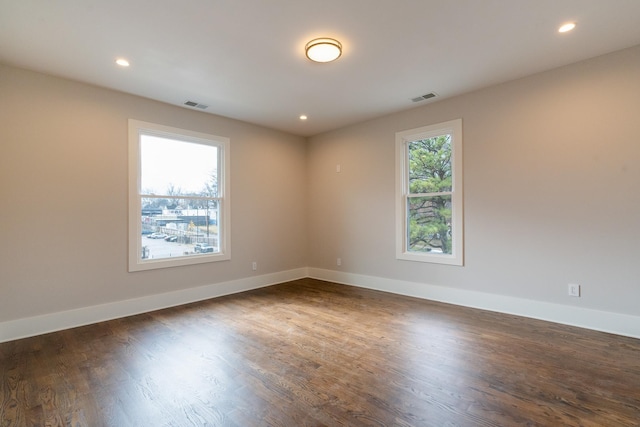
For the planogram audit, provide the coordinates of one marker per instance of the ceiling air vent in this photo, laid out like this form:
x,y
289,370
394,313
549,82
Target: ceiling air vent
x,y
423,97
197,105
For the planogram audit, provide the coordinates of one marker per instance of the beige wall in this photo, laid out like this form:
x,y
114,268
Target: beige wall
x,y
63,178
552,166
552,170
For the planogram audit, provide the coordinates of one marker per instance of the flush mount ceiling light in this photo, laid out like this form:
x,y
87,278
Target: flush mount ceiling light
x,y
122,62
567,27
323,50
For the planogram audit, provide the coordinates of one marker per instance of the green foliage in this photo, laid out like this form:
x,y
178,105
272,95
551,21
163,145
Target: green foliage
x,y
430,165
430,215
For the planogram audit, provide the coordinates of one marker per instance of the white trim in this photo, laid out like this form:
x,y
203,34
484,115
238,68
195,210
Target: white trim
x,y
614,323
37,325
604,321
454,128
138,128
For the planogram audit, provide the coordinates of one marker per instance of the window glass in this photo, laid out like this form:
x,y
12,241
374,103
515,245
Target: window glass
x,y
178,197
169,166
429,193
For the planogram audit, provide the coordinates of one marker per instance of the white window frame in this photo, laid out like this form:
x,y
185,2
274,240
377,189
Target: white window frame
x,y
454,128
138,128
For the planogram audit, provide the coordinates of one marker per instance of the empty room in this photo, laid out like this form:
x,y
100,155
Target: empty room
x,y
336,213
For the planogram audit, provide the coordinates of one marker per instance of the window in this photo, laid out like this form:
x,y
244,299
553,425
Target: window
x,y
178,197
429,194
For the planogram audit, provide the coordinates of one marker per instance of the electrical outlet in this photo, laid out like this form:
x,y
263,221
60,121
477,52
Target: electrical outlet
x,y
339,261
574,290
254,266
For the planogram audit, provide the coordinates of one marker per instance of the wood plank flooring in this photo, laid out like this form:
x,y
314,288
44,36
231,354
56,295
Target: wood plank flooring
x,y
312,353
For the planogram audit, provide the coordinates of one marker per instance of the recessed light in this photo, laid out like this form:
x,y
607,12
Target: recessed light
x,y
303,117
323,50
567,27
122,62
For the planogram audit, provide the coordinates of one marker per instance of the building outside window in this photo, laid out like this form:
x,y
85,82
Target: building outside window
x,y
178,197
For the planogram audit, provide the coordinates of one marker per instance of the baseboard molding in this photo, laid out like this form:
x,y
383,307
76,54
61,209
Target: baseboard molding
x,y
38,325
619,324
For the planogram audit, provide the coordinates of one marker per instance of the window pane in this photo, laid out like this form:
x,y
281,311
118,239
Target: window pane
x,y
179,227
170,167
429,224
178,181
430,165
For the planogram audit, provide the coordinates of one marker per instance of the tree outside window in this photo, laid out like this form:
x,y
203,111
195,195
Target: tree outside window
x,y
430,194
430,215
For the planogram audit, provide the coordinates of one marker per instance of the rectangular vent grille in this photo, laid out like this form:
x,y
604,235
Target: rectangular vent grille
x,y
423,97
196,104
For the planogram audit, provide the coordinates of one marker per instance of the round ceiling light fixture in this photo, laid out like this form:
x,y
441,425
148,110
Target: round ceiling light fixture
x,y
323,50
567,27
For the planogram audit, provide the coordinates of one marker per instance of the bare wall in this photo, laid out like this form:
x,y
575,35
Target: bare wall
x,y
551,176
63,181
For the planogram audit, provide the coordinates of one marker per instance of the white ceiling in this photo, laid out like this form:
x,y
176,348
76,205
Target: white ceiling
x,y
245,58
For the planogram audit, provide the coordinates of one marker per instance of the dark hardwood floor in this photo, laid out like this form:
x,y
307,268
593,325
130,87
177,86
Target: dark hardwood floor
x,y
312,353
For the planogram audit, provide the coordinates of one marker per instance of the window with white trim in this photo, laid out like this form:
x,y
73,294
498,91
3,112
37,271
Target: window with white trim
x,y
178,197
429,218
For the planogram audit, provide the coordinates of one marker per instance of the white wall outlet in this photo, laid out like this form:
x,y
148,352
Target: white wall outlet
x,y
338,168
254,266
574,290
339,261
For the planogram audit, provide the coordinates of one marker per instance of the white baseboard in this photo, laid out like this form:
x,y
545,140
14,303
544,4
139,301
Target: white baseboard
x,y
37,325
620,324
615,323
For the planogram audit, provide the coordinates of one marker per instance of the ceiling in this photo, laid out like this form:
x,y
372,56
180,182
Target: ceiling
x,y
244,59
